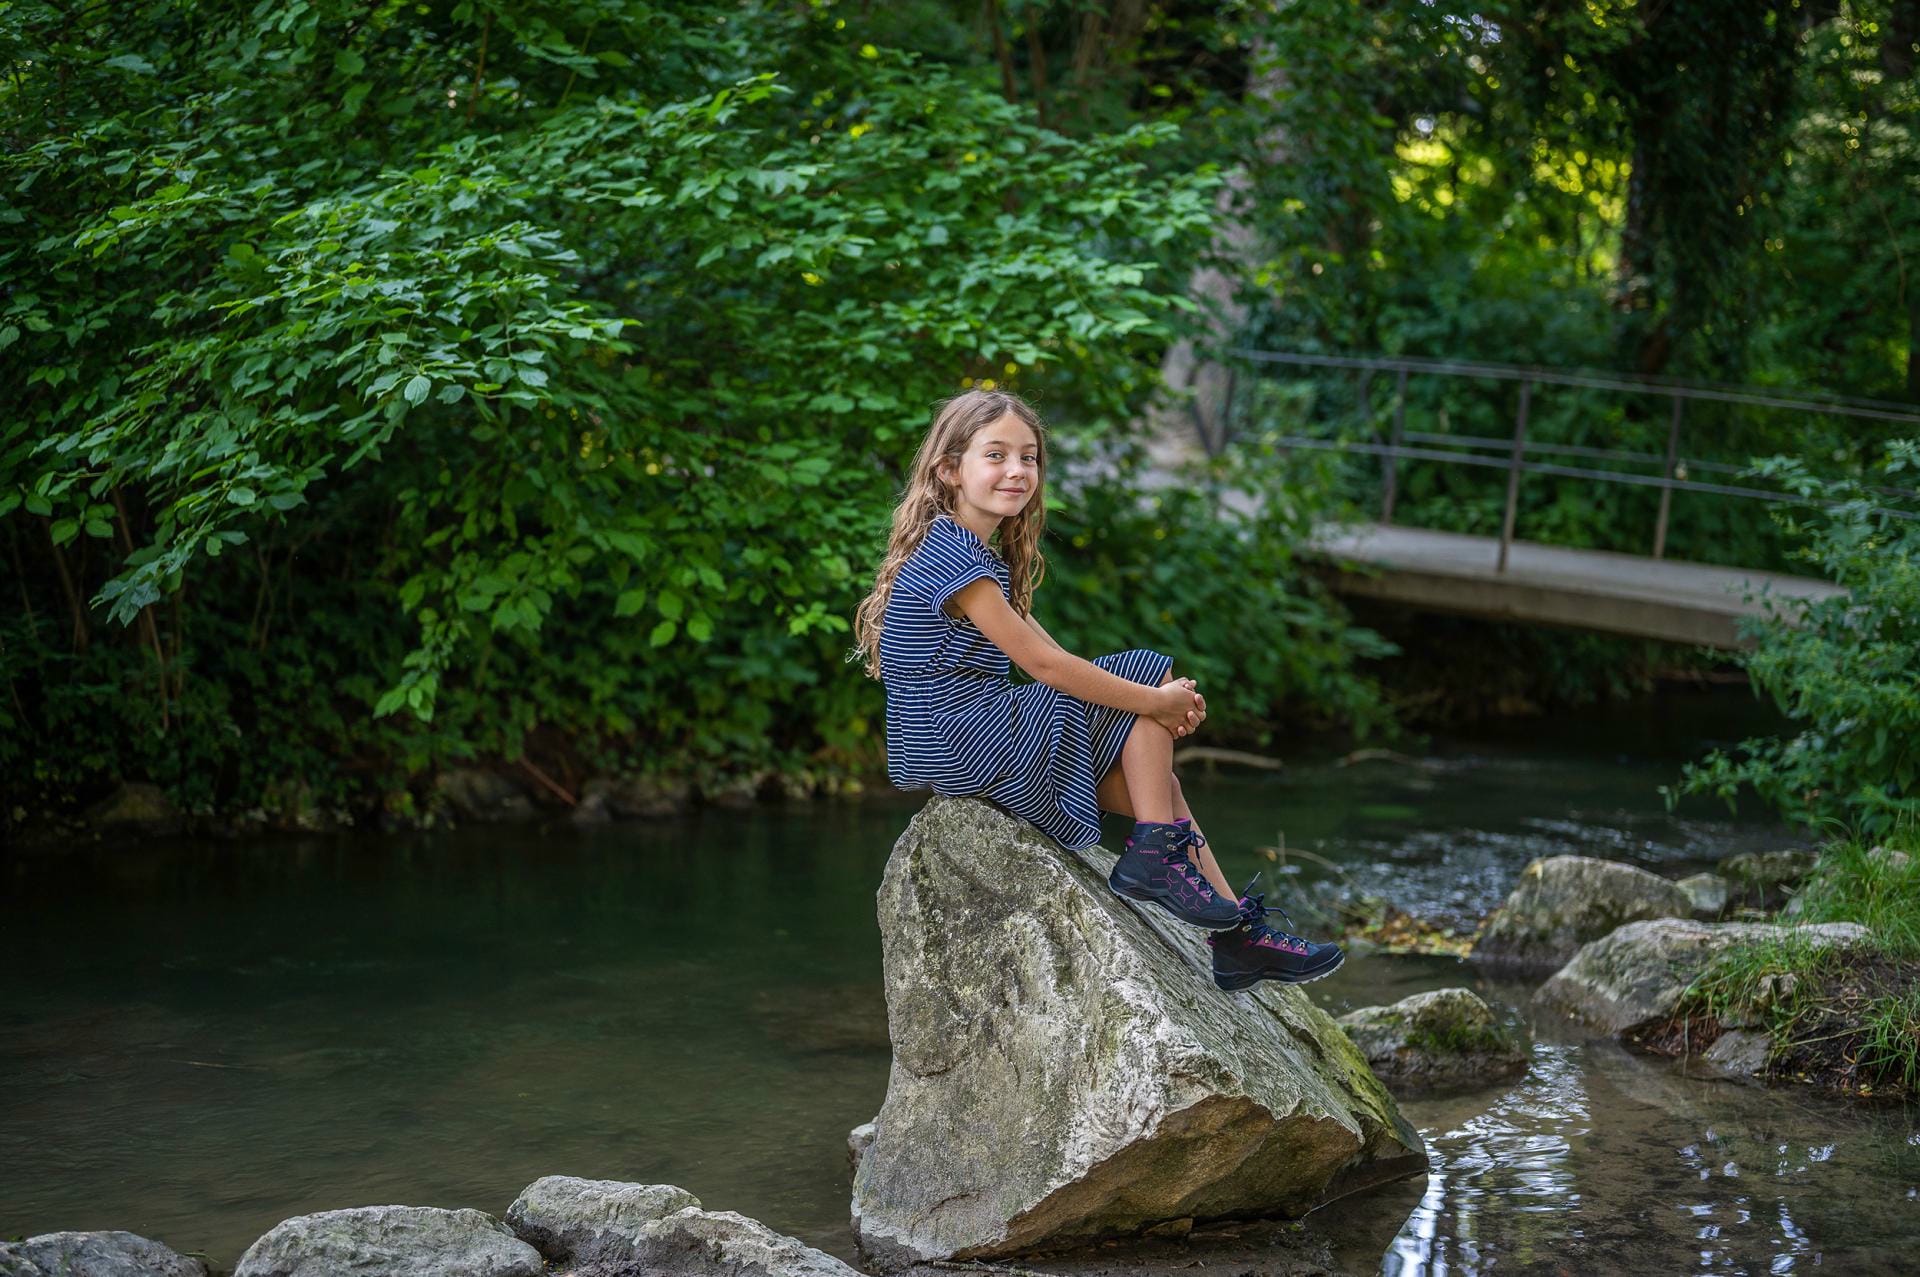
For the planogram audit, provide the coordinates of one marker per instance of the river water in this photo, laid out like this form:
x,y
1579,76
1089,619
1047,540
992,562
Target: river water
x,y
198,1040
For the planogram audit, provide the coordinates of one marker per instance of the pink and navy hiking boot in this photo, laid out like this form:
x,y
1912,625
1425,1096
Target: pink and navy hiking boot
x,y
1253,951
1154,867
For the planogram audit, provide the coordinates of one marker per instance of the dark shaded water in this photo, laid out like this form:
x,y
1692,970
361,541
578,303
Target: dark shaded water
x,y
197,1041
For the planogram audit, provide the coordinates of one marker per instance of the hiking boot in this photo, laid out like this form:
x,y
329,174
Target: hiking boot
x,y
1155,867
1253,951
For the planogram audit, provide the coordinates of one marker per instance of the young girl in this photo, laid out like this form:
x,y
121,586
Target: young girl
x,y
952,606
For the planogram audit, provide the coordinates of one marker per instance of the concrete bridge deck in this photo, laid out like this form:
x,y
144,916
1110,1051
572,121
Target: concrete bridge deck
x,y
1626,594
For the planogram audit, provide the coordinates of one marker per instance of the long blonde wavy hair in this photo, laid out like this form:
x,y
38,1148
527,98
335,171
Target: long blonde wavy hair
x,y
928,496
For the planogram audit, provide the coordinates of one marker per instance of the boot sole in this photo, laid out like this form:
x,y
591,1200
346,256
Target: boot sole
x,y
1235,983
1146,897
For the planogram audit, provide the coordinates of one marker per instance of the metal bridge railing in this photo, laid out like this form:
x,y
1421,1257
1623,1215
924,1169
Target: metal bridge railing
x,y
1472,450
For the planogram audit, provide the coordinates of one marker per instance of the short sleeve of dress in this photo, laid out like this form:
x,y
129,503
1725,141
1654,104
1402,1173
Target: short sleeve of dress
x,y
948,560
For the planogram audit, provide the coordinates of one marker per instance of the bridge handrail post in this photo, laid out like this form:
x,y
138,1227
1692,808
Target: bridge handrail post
x,y
1513,472
1392,459
1666,489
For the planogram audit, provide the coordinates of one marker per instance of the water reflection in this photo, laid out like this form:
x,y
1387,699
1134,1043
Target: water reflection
x,y
1511,1159
1602,1161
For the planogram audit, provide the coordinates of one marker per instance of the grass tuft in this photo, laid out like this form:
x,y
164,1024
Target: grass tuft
x,y
1850,1017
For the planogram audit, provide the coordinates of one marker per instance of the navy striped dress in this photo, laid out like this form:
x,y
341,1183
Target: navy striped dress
x,y
958,724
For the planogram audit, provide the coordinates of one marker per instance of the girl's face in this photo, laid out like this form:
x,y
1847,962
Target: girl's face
x,y
996,476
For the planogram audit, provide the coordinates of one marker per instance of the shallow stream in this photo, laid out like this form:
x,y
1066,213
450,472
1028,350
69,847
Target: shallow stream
x,y
198,1040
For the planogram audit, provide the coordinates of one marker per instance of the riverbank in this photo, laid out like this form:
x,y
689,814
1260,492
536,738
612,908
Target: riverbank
x,y
1845,1019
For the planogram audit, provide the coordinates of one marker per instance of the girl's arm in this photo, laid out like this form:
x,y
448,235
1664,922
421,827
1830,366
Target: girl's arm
x,y
1029,647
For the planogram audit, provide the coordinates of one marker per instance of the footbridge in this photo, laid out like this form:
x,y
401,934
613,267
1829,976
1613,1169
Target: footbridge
x,y
1505,577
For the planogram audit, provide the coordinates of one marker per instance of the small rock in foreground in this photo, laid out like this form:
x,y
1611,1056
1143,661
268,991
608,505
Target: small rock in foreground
x,y
605,1228
568,1219
1445,1038
94,1254
1709,894
420,1241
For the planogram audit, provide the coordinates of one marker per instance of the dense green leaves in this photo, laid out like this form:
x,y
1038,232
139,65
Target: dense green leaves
x,y
1844,668
567,373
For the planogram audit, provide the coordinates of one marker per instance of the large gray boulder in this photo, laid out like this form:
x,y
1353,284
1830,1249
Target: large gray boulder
x,y
101,1254
1445,1038
1562,902
604,1228
421,1241
1635,976
1064,1068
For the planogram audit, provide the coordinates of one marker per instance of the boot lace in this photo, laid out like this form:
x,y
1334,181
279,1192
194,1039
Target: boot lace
x,y
1253,912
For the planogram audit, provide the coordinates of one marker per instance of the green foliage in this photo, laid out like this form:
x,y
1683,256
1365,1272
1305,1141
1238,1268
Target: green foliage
x,y
1842,667
1868,882
1777,983
1703,188
508,380
1891,1045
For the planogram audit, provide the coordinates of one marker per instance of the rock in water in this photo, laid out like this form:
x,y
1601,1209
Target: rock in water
x,y
1448,1037
1708,892
604,1228
1762,879
568,1219
421,1241
1562,902
1634,976
101,1254
1064,1068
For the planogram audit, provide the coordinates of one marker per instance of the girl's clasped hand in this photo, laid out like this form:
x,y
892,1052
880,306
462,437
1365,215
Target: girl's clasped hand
x,y
1184,709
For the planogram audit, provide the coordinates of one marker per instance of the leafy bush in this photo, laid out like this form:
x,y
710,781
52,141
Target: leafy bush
x,y
507,380
1843,667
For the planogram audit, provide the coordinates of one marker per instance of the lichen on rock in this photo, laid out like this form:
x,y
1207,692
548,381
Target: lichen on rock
x,y
1445,1038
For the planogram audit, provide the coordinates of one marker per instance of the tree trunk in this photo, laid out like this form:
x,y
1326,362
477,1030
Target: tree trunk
x,y
1189,413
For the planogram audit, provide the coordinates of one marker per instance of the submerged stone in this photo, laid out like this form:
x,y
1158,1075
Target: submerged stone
x,y
1446,1038
1065,1069
1562,902
94,1254
1634,977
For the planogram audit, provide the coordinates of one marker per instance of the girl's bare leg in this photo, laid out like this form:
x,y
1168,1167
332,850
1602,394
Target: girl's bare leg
x,y
1201,856
1146,768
